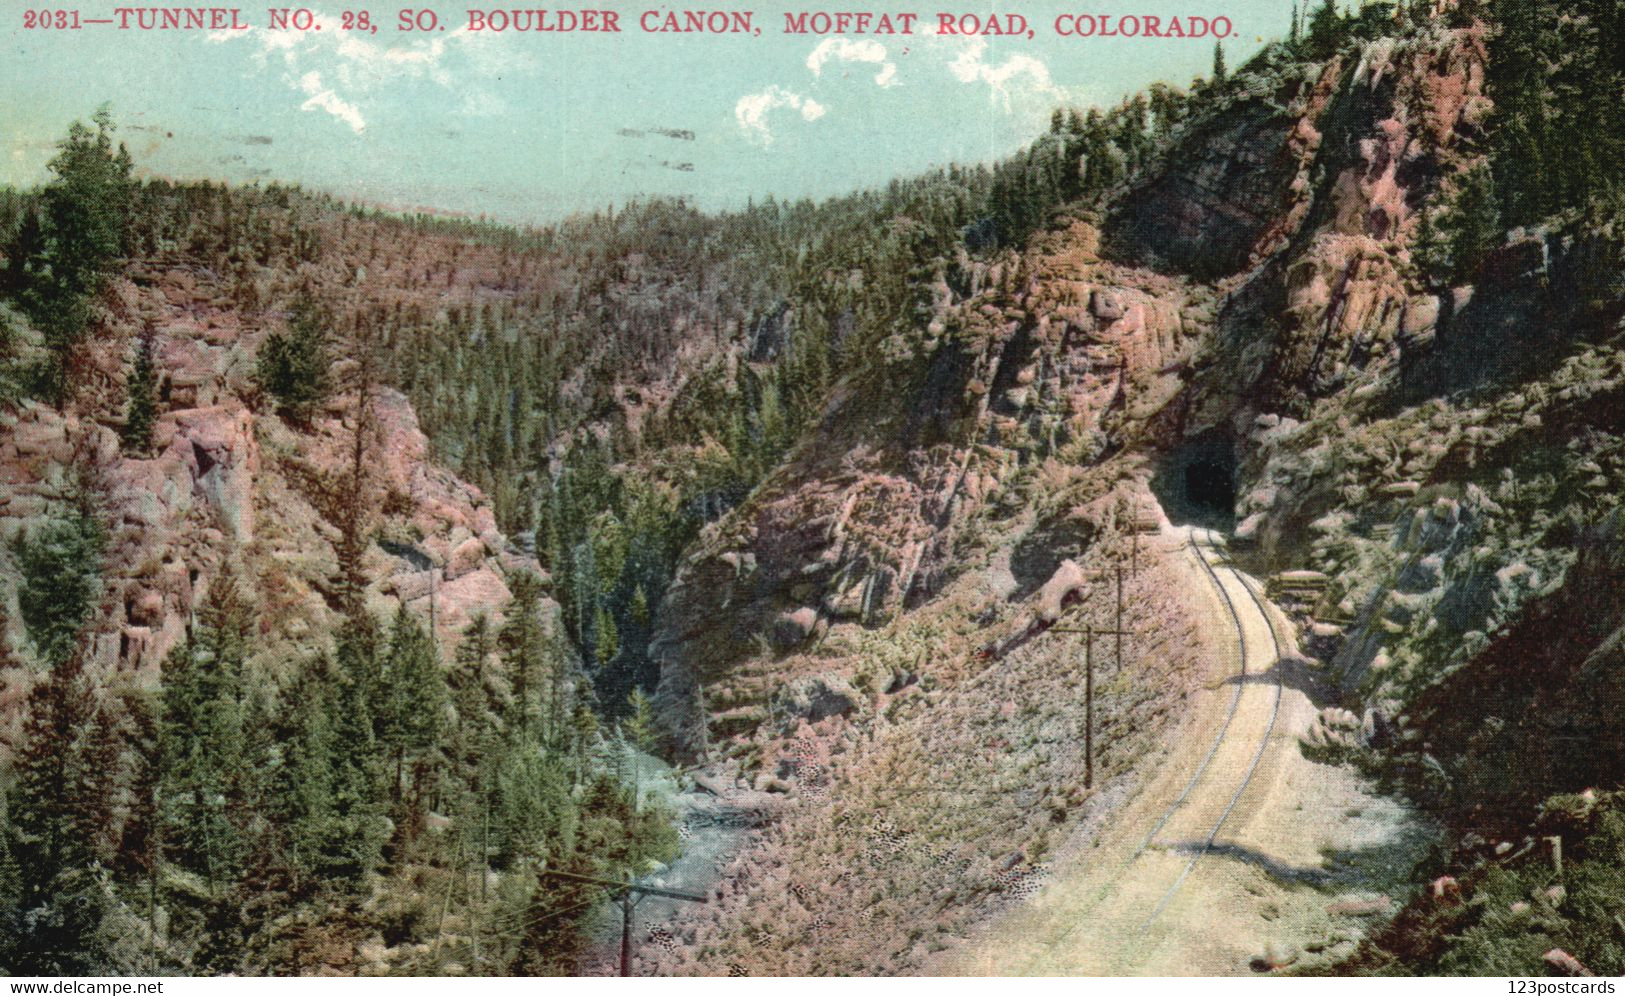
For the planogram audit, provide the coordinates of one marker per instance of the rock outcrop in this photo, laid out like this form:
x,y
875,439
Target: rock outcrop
x,y
1076,366
228,481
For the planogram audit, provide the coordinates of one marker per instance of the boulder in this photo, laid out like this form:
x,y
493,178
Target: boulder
x,y
465,558
1565,962
1421,315
134,644
846,604
409,586
42,438
1360,907
709,783
1275,955
225,460
457,602
817,698
146,608
1055,593
766,782
792,628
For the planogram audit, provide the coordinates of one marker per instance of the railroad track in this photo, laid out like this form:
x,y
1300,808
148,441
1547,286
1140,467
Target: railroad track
x,y
1263,741
1248,666
1230,715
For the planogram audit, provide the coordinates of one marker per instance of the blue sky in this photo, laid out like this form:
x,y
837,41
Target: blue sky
x,y
529,127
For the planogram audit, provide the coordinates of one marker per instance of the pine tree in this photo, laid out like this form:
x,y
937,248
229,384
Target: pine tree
x,y
584,731
521,645
638,610
60,807
293,364
1325,30
25,254
557,666
301,785
638,734
202,767
1475,224
1219,71
81,233
607,641
141,397
348,831
59,567
474,699
532,816
11,889
140,848
412,708
1425,253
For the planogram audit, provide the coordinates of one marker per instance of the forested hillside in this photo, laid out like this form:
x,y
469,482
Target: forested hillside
x,y
357,684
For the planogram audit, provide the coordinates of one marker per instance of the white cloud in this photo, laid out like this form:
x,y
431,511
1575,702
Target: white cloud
x,y
365,62
752,110
323,99
844,50
1020,83
1019,74
350,70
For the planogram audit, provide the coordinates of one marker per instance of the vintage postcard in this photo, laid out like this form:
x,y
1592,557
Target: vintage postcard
x,y
1010,489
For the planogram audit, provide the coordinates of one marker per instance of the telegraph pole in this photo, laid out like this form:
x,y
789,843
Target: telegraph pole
x,y
629,893
1119,618
626,933
1088,707
1089,634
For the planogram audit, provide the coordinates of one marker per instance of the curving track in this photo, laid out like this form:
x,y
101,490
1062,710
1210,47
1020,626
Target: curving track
x,y
1269,729
1159,908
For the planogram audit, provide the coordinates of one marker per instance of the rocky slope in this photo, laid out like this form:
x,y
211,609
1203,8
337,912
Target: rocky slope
x,y
873,659
1064,359
228,481
1260,348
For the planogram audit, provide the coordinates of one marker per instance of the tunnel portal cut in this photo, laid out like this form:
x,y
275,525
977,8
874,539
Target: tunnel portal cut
x,y
1196,482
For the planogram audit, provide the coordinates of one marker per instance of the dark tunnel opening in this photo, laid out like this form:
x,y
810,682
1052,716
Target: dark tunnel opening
x,y
1210,486
1196,482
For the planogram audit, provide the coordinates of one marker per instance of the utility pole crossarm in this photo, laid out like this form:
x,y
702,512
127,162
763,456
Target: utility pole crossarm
x,y
1089,633
623,891
633,886
669,893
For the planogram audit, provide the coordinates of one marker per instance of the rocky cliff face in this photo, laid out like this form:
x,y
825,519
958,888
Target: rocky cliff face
x,y
1064,358
1441,452
1296,196
1259,346
226,481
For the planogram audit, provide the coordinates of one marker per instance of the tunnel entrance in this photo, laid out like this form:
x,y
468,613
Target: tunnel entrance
x,y
1196,482
1211,486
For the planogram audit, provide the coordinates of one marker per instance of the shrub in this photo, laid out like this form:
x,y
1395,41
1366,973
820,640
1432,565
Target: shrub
x,y
60,576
